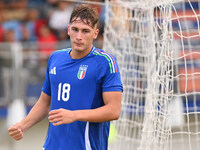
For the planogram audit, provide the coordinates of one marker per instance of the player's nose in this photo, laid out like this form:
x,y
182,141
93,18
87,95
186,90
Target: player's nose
x,y
79,36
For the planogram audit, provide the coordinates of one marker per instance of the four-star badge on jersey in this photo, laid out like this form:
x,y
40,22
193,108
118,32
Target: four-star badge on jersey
x,y
82,71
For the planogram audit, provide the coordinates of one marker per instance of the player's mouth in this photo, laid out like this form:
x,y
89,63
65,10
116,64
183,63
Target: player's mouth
x,y
78,44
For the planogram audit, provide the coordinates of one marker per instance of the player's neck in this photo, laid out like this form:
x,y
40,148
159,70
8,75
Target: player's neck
x,y
78,54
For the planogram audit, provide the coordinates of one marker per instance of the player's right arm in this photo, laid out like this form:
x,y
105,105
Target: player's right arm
x,y
39,111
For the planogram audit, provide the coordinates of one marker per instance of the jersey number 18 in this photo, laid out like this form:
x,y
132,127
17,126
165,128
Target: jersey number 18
x,y
64,91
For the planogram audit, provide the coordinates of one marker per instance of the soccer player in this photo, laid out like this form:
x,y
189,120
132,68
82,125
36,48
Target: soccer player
x,y
81,92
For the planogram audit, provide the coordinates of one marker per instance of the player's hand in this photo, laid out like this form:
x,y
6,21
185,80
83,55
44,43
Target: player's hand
x,y
16,132
61,116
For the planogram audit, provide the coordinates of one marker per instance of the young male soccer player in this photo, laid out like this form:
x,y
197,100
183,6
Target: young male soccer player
x,y
81,92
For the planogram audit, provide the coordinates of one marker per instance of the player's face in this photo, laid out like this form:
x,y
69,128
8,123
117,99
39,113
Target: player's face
x,y
81,35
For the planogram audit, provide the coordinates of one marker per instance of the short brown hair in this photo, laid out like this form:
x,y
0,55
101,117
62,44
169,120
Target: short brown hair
x,y
86,13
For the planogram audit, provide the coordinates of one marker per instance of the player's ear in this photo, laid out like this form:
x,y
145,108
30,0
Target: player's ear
x,y
68,27
96,32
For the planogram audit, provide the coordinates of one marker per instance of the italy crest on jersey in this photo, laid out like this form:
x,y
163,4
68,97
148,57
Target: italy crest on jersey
x,y
82,71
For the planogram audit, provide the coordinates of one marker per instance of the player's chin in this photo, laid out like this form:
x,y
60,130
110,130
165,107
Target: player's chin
x,y
79,49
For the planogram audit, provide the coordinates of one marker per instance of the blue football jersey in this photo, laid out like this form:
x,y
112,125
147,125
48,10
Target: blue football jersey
x,y
78,84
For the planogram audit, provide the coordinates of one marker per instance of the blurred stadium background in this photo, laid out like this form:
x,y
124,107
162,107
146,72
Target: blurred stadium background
x,y
30,30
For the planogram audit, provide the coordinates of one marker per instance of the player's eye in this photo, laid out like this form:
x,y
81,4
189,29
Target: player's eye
x,y
85,31
74,29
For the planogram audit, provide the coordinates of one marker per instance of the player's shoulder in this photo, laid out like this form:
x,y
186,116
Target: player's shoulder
x,y
105,59
60,52
103,55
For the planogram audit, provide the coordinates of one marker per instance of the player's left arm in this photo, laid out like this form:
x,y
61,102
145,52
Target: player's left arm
x,y
110,111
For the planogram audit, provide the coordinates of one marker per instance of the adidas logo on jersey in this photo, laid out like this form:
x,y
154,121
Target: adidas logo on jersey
x,y
53,71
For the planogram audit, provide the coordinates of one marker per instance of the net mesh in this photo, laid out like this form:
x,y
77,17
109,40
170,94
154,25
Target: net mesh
x,y
157,49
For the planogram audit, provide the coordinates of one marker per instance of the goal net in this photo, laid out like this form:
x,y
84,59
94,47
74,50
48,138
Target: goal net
x,y
157,46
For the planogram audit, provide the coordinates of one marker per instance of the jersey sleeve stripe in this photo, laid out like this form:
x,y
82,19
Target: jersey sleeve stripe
x,y
111,60
96,53
114,63
113,67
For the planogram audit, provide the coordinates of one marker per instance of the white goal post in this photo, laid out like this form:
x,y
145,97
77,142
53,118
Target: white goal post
x,y
157,46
